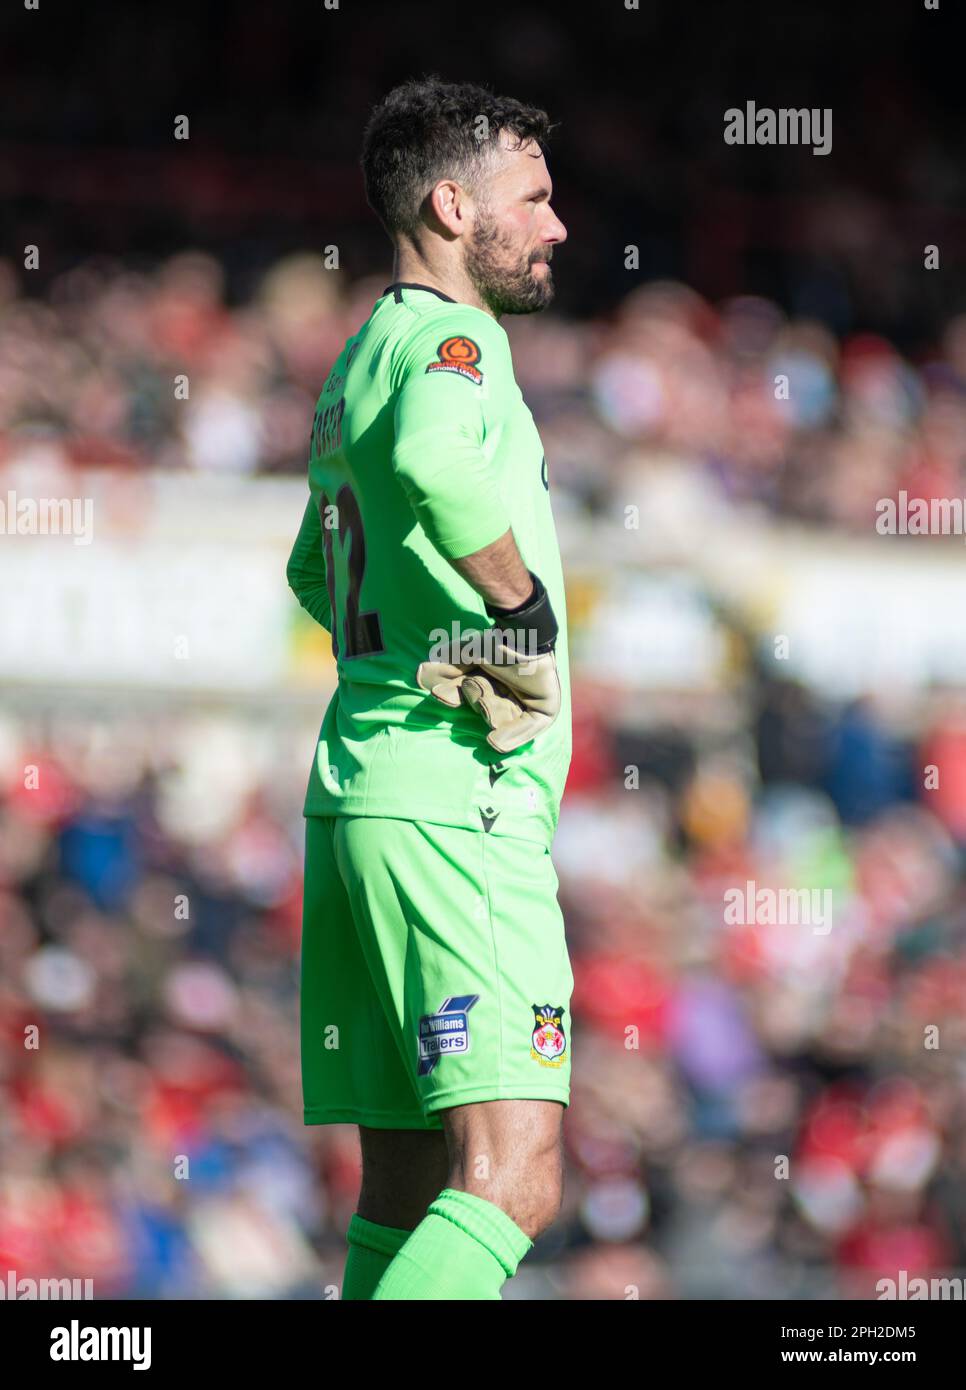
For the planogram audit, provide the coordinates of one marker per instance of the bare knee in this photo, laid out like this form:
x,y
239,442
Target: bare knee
x,y
511,1153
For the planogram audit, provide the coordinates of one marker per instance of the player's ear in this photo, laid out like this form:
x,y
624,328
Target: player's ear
x,y
446,206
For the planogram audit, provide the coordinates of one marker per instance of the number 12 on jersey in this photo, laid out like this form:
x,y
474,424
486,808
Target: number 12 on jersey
x,y
362,631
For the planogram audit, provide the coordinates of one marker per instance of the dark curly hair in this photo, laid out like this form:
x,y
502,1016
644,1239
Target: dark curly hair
x,y
427,129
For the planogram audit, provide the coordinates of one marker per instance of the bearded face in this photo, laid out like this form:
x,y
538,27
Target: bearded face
x,y
504,275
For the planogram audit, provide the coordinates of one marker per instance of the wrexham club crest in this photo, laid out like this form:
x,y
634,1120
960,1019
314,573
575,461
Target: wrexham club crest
x,y
548,1044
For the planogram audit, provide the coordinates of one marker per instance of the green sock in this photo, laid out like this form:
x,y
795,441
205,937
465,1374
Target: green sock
x,y
465,1247
371,1248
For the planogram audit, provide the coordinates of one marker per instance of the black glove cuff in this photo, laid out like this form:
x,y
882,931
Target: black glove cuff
x,y
534,616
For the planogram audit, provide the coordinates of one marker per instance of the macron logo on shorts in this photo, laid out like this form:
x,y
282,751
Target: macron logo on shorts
x,y
445,1031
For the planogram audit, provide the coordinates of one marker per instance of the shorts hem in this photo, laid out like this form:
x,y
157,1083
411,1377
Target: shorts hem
x,y
371,1119
465,1095
441,1100
510,828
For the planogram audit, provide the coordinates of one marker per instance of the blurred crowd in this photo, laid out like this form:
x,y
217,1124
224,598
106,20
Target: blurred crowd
x,y
155,369
277,98
760,1109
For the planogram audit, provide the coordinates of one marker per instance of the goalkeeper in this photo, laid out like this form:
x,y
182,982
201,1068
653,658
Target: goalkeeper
x,y
435,985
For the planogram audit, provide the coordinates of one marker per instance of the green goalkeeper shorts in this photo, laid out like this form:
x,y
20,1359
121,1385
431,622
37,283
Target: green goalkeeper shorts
x,y
434,972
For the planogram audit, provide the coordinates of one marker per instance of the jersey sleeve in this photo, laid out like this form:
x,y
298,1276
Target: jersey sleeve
x,y
450,368
306,568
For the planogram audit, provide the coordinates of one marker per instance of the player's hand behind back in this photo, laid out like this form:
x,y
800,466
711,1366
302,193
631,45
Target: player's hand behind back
x,y
515,685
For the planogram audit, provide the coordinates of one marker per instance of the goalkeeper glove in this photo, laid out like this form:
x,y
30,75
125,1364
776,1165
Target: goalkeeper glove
x,y
516,690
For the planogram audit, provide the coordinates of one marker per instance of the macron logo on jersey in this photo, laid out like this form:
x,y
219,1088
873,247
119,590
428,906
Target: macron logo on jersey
x,y
458,355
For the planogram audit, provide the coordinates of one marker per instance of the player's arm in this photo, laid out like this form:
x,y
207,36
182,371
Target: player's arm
x,y
439,450
497,572
306,568
440,455
442,462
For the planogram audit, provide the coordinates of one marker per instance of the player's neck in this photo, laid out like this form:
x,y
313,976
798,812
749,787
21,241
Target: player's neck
x,y
411,270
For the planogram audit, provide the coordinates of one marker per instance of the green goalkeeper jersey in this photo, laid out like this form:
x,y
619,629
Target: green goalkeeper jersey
x,y
423,450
